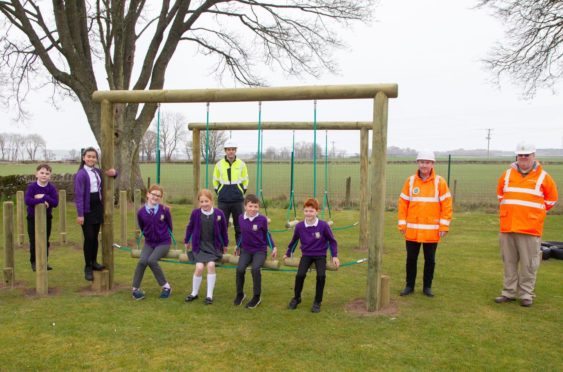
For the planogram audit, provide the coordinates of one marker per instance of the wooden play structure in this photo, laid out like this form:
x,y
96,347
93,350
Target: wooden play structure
x,y
375,193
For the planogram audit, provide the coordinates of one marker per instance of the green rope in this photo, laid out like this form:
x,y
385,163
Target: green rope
x,y
158,146
207,148
325,196
315,149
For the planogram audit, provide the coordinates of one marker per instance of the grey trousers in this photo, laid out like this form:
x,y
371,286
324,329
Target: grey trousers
x,y
149,257
521,256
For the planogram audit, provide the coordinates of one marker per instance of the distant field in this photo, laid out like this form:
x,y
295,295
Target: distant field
x,y
473,184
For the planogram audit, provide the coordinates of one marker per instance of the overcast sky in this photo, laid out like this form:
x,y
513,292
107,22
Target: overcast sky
x,y
431,48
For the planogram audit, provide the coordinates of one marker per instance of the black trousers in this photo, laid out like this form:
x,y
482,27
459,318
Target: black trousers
x,y
413,249
257,261
235,209
91,228
304,265
31,235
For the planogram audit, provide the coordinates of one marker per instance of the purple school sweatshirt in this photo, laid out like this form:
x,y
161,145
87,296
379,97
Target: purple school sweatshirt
x,y
254,234
193,230
82,190
314,240
51,196
157,227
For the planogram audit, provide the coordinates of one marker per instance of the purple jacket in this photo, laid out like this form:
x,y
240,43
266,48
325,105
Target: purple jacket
x,y
157,227
254,235
51,196
193,230
82,190
315,240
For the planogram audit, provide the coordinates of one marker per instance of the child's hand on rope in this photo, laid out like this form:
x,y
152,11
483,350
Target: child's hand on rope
x,y
336,261
188,246
274,252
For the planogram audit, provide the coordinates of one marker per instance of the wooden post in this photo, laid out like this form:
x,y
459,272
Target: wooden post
x,y
107,125
137,206
385,291
8,225
101,281
377,201
62,216
364,162
123,216
348,187
196,156
20,213
41,281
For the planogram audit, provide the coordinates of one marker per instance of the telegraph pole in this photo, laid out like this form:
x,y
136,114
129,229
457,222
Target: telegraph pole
x,y
488,142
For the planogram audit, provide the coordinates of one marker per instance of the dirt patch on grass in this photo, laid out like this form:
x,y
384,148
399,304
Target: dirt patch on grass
x,y
87,290
17,284
32,292
359,307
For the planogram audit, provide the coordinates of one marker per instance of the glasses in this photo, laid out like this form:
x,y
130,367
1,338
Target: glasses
x,y
524,155
155,195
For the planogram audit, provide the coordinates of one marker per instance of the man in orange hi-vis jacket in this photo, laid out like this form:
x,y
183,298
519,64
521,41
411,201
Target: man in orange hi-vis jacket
x,y
425,213
525,192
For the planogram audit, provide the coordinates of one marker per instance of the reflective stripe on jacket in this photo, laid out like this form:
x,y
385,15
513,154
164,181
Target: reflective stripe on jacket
x,y
524,200
230,190
425,208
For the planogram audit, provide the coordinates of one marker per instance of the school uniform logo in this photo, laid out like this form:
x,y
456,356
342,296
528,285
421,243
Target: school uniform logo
x,y
162,217
254,227
218,218
318,235
416,190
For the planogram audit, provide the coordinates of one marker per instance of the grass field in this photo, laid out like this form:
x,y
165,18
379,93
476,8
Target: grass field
x,y
473,184
460,329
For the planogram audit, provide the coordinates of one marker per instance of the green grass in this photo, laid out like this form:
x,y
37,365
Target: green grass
x,y
460,329
473,184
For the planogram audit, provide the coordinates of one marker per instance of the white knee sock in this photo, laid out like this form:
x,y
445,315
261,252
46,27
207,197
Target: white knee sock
x,y
196,283
211,284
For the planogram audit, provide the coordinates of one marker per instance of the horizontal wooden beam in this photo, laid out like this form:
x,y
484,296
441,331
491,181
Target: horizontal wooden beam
x,y
295,93
284,125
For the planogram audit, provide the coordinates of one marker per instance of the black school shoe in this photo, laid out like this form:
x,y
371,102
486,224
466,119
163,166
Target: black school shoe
x,y
98,267
316,308
254,302
190,298
88,274
239,298
293,303
208,300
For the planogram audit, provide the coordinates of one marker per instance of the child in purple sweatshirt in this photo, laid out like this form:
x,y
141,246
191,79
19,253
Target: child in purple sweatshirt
x,y
38,192
316,237
253,249
155,222
206,235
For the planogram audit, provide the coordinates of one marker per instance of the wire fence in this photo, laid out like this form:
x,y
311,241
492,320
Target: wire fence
x,y
472,181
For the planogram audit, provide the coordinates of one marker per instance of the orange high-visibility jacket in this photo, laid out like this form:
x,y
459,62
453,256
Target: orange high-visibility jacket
x,y
524,200
425,208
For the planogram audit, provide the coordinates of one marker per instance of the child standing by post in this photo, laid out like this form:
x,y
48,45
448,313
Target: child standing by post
x,y
206,233
316,237
155,222
89,207
40,191
252,248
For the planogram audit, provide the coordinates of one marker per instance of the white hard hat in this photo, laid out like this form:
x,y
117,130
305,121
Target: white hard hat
x,y
425,155
230,144
524,148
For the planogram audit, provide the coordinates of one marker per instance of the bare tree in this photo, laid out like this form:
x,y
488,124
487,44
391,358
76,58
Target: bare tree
x,y
16,143
217,139
148,145
533,53
33,142
4,146
71,39
172,132
73,154
188,149
305,150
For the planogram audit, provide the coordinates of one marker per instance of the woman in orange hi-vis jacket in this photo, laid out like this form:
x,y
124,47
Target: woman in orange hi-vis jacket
x,y
425,213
